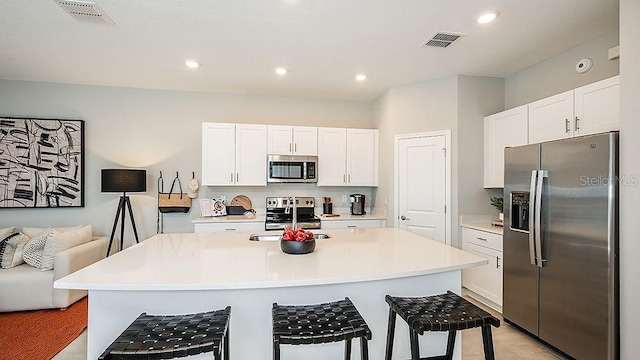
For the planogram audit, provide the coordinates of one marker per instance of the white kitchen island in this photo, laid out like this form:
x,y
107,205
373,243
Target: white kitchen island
x,y
187,273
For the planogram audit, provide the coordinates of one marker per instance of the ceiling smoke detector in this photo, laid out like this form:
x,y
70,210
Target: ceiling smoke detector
x,y
85,11
442,39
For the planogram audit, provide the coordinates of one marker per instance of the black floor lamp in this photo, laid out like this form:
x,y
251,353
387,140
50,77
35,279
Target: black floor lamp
x,y
124,181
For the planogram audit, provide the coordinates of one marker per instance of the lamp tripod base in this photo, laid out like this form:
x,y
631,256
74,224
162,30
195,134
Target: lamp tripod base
x,y
123,206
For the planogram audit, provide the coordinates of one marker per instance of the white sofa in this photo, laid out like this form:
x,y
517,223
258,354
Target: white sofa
x,y
25,287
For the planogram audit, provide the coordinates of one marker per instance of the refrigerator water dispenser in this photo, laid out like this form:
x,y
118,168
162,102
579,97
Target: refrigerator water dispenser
x,y
520,211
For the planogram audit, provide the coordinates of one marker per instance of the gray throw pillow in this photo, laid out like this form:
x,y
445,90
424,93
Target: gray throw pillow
x,y
11,250
35,246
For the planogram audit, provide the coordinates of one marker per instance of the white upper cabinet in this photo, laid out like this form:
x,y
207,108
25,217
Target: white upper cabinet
x,y
505,129
292,140
347,157
251,155
551,118
234,154
597,107
590,109
218,154
362,157
332,157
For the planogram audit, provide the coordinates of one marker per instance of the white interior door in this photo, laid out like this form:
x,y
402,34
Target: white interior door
x,y
422,186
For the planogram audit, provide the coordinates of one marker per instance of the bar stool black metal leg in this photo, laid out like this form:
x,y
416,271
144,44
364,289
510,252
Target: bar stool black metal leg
x,y
391,329
451,343
487,342
276,350
364,349
415,347
347,350
226,344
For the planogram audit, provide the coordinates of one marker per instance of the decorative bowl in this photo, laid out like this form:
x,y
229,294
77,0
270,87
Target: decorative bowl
x,y
297,247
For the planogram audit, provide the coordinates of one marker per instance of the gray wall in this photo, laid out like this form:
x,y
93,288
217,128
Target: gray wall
x,y
558,74
477,97
159,131
456,103
629,167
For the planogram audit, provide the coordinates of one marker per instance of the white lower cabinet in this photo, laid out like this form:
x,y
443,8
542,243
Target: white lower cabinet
x,y
485,280
351,224
230,226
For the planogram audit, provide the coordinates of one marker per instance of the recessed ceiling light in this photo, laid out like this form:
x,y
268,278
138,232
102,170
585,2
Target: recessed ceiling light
x,y
281,71
361,77
487,16
192,64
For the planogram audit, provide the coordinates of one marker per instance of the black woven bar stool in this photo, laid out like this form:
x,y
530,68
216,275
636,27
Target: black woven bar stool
x,y
444,312
318,324
172,336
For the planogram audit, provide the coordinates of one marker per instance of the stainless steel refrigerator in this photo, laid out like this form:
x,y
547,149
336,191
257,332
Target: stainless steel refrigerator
x,y
561,243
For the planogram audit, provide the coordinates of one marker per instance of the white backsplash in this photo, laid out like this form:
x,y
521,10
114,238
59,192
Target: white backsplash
x,y
258,195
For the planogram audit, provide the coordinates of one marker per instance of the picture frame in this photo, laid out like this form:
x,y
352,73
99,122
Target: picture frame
x,y
41,163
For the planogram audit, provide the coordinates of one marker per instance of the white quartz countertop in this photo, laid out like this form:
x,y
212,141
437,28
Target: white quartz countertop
x,y
205,261
484,226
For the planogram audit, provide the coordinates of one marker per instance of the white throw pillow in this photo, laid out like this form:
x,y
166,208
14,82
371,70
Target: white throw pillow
x,y
6,232
33,249
11,250
60,241
33,231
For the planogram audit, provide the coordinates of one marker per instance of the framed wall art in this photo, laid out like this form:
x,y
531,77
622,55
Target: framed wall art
x,y
41,163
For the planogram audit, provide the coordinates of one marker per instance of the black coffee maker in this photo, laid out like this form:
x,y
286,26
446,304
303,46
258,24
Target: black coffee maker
x,y
357,204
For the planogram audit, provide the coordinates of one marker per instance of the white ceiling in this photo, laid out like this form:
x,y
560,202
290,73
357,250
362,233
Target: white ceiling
x,y
323,43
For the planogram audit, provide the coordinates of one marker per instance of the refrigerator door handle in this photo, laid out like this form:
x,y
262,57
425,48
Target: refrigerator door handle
x,y
538,207
532,207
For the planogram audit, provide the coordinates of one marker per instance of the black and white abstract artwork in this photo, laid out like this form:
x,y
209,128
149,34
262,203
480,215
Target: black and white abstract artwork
x,y
41,163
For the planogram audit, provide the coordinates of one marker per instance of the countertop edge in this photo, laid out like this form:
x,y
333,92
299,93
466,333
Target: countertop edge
x,y
260,285
487,227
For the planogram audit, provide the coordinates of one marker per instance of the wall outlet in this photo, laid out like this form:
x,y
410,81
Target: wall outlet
x,y
345,198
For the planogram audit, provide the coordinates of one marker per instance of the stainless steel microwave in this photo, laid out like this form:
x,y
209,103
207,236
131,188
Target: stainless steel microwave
x,y
292,169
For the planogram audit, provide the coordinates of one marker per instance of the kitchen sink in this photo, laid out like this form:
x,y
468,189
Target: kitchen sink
x,y
276,237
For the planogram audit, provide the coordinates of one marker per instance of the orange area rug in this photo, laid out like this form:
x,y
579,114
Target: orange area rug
x,y
40,334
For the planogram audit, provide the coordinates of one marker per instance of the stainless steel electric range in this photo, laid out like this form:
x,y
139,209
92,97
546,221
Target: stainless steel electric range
x,y
281,210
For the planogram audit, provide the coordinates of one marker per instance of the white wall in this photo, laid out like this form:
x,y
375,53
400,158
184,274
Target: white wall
x,y
558,74
630,167
159,131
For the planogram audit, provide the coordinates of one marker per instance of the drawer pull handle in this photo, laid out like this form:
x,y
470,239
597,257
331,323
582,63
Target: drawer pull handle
x,y
230,229
479,238
352,226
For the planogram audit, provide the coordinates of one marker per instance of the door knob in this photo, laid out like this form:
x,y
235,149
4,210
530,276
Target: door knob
x,y
404,218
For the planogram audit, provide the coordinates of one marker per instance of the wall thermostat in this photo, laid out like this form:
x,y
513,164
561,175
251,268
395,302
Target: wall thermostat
x,y
584,65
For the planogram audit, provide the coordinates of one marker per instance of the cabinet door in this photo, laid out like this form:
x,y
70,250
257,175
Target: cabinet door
x,y
597,107
305,140
218,154
362,157
332,157
279,140
551,118
505,129
486,280
251,155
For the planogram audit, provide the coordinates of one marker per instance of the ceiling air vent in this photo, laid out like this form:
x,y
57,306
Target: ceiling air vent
x,y
442,39
85,11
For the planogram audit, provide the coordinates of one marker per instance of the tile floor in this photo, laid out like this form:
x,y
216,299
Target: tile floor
x,y
509,343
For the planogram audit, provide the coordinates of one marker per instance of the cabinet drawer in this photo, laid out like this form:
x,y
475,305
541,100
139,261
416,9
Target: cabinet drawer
x,y
231,226
482,238
348,224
